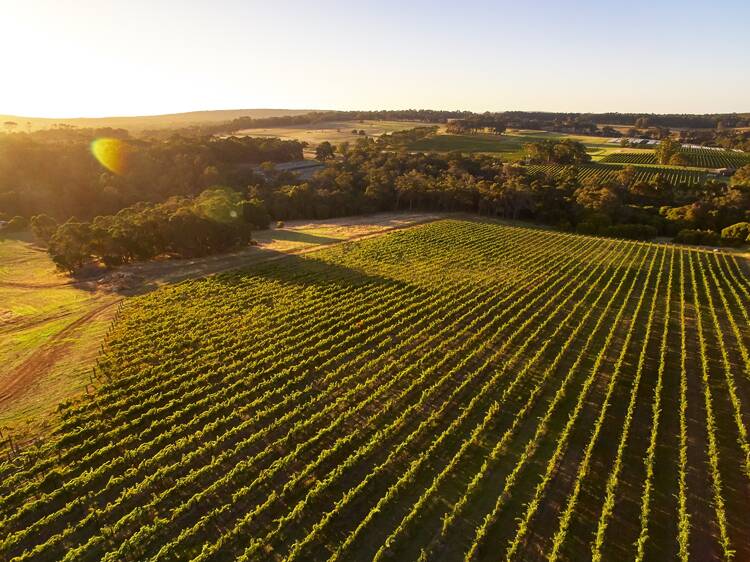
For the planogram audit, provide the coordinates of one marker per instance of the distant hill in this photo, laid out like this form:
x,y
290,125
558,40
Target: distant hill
x,y
144,122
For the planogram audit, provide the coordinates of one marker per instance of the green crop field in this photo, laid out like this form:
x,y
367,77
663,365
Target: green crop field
x,y
460,390
675,176
508,146
702,158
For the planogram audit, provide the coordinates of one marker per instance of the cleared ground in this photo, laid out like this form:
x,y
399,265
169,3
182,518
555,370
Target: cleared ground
x,y
457,390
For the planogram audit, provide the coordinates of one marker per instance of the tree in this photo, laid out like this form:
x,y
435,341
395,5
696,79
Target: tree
x,y
666,150
412,187
741,177
219,204
632,231
680,159
697,237
736,233
70,246
601,199
643,190
43,227
343,148
456,127
514,197
324,151
565,151
255,214
595,223
625,176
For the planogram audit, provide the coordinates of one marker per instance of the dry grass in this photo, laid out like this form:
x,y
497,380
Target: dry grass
x,y
46,347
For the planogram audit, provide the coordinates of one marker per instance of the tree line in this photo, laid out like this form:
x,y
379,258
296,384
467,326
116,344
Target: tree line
x,y
371,176
382,175
54,172
217,220
579,122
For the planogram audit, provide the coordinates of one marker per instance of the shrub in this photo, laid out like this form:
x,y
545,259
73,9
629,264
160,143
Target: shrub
x,y
736,234
255,214
699,237
43,227
631,231
587,228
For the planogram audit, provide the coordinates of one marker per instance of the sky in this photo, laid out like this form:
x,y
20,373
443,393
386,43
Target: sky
x,y
82,58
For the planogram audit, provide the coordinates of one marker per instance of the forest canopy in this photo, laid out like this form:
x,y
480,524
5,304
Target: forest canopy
x,y
217,220
54,171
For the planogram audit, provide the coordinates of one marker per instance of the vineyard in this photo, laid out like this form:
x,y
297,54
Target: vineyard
x,y
699,157
674,176
461,390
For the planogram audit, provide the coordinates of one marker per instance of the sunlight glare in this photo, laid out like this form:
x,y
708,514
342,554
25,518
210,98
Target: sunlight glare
x,y
111,153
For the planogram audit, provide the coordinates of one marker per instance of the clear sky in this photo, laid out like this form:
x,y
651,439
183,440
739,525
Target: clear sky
x,y
71,58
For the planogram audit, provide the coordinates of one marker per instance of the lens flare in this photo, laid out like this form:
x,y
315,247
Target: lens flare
x,y
111,153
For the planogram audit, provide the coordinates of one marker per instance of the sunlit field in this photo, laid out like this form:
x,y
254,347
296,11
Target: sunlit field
x,y
333,131
50,333
457,390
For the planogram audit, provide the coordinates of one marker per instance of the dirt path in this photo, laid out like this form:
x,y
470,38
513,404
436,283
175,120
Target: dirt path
x,y
43,359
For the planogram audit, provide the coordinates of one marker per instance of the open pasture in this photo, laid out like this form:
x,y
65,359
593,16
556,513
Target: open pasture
x,y
333,131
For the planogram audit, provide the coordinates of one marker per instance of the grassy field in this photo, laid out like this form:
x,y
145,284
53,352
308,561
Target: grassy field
x,y
458,390
508,146
50,332
333,131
